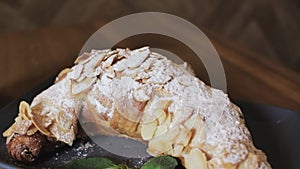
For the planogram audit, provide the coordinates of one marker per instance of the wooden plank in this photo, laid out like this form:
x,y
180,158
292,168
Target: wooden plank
x,y
30,57
253,77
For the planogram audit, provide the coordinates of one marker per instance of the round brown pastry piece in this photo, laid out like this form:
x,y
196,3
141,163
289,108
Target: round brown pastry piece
x,y
25,148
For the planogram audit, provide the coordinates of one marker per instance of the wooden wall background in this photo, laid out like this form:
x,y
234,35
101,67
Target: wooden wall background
x,y
269,27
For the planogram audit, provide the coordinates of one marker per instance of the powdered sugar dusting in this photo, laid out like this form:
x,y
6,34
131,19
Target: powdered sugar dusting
x,y
132,77
143,71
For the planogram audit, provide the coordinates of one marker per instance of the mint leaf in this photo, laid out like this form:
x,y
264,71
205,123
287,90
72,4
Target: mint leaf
x,y
92,163
120,166
162,162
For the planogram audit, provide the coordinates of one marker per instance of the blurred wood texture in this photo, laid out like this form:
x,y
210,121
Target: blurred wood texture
x,y
28,58
268,27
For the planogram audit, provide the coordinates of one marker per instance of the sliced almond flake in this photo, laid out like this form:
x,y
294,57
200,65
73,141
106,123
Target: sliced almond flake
x,y
76,72
110,73
196,159
95,51
94,62
120,66
123,52
137,57
109,54
120,56
142,75
82,57
159,100
134,59
130,72
78,87
9,131
157,55
109,61
9,138
62,74
185,113
147,64
98,71
81,78
159,78
32,129
164,143
25,110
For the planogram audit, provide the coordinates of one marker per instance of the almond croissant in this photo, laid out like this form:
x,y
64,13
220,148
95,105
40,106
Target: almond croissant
x,y
142,95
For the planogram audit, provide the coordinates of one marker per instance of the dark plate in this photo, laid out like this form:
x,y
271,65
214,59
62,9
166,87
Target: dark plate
x,y
275,130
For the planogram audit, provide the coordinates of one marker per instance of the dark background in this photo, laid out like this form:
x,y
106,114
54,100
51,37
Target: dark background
x,y
268,27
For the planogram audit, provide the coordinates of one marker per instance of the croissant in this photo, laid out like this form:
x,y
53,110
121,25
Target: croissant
x,y
142,95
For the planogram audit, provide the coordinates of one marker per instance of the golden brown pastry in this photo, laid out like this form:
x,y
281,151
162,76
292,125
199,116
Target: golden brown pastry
x,y
142,95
